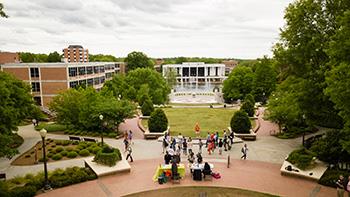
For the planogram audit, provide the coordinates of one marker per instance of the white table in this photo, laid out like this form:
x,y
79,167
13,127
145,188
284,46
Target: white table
x,y
200,166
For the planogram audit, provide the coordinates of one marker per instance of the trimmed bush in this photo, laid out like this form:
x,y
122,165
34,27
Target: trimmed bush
x,y
58,142
64,153
84,153
72,154
302,158
158,121
49,155
55,127
59,149
65,142
69,149
26,191
75,142
240,122
107,156
57,156
112,135
331,176
248,107
61,178
96,149
147,107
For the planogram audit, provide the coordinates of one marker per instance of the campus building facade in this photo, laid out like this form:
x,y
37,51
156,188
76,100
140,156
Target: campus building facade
x,y
49,79
75,53
196,75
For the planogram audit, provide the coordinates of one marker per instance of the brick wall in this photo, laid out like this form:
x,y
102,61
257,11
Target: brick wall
x,y
19,73
53,73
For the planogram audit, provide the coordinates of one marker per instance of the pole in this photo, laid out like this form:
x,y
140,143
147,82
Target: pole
x,y
46,183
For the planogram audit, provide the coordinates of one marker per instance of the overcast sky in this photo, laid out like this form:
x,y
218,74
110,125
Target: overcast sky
x,y
159,28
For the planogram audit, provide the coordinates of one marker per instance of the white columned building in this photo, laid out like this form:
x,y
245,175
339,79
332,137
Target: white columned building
x,y
197,75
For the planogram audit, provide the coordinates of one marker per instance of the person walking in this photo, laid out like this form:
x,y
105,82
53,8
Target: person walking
x,y
200,144
190,145
244,151
130,137
34,122
340,186
225,142
126,144
207,141
220,146
184,146
231,137
129,154
164,144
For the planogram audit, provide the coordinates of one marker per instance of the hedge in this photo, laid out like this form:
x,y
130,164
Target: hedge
x,y
57,156
331,176
107,156
72,154
240,122
84,153
158,121
302,158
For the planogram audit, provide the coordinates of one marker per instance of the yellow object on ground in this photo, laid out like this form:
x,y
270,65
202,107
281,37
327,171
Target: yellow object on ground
x,y
162,168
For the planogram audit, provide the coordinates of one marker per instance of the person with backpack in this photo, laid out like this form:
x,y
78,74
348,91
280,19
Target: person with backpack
x,y
220,146
200,144
340,186
184,146
244,151
189,145
129,154
126,144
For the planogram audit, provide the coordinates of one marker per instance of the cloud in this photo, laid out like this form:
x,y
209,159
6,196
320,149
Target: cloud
x,y
160,28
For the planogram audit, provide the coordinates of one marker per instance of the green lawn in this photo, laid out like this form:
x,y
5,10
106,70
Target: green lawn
x,y
183,120
200,191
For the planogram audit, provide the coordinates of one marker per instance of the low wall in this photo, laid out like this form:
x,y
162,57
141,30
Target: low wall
x,y
245,136
150,135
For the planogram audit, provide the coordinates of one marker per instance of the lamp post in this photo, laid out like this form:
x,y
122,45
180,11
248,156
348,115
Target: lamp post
x,y
304,131
101,118
43,133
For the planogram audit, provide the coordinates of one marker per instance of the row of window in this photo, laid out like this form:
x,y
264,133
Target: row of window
x,y
35,87
75,71
89,82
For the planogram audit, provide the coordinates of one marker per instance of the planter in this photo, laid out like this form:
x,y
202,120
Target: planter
x,y
245,136
155,135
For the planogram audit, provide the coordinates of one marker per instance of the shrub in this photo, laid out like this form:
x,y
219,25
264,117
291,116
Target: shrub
x,y
61,178
75,142
59,149
331,176
72,154
240,122
112,135
147,107
26,191
107,156
64,153
69,149
158,121
84,153
58,142
55,127
248,107
250,98
49,155
42,159
96,149
302,158
65,142
57,156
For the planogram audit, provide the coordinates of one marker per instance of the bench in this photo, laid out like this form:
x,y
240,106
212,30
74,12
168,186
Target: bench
x,y
90,140
3,176
74,138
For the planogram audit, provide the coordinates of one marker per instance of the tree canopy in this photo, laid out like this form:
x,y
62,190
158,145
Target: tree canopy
x,y
104,58
16,104
239,83
136,60
145,82
54,57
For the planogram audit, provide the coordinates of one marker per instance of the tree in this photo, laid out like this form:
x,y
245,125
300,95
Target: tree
x,y
16,104
136,60
170,77
27,57
248,107
239,83
158,121
147,107
302,53
104,58
265,80
143,94
250,98
240,122
2,13
54,57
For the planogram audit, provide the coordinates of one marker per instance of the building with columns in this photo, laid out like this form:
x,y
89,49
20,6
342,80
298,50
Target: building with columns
x,y
49,79
196,75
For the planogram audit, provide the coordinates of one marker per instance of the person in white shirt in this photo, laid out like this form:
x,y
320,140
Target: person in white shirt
x,y
190,145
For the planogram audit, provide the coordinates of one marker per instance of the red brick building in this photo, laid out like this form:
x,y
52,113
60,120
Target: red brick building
x,y
9,57
76,53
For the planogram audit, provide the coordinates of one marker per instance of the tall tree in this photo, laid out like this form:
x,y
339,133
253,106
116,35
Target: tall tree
x,y
54,57
265,80
16,104
170,77
239,83
136,60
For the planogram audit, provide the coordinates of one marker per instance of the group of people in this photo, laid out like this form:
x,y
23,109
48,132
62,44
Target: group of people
x,y
127,144
342,186
214,141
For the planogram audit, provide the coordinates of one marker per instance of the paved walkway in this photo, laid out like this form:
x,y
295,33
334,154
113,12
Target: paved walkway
x,y
260,172
251,175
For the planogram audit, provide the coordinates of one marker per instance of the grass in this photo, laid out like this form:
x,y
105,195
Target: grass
x,y
54,127
200,191
183,120
194,104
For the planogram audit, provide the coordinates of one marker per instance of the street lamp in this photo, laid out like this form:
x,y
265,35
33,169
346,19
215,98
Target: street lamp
x,y
43,133
101,118
304,130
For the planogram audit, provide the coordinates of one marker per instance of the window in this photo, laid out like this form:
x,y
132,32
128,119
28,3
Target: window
x,y
72,72
90,82
102,79
201,71
34,72
81,70
96,69
193,72
73,84
102,69
208,71
216,71
96,81
89,70
35,87
37,100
